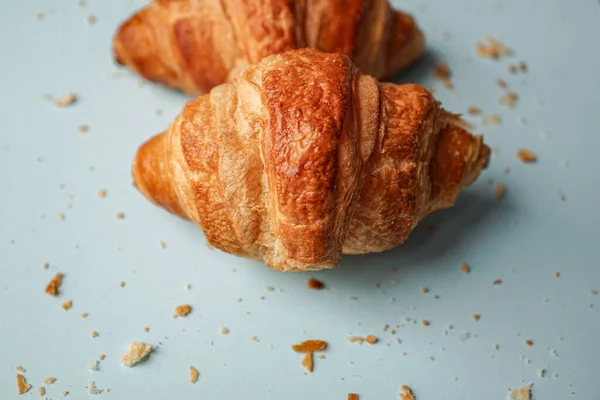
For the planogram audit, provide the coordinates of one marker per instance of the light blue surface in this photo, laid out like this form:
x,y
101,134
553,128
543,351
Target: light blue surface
x,y
522,239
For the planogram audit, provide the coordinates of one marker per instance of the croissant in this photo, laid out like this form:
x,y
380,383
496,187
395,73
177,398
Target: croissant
x,y
195,45
304,158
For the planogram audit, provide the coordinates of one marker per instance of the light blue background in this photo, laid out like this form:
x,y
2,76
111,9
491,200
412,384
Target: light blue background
x,y
522,239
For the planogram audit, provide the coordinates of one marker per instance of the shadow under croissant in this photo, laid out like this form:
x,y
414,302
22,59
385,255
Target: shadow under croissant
x,y
419,71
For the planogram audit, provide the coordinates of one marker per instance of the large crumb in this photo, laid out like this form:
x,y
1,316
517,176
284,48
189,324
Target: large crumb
x,y
41,391
52,287
315,284
194,374
425,322
491,119
65,100
493,49
308,362
67,305
22,385
527,156
136,353
20,369
224,331
356,339
371,339
476,317
352,396
92,389
406,393
529,342
49,381
500,191
309,345
523,393
509,99
183,310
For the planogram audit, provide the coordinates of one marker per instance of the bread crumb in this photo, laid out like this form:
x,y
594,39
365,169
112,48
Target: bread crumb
x,y
443,74
162,244
406,393
102,357
464,337
425,322
20,369
39,16
476,317
509,99
494,49
393,332
183,310
269,288
523,66
356,339
500,191
502,83
84,315
91,19
474,111
424,290
527,156
46,96
523,393
121,215
465,268
46,265
254,338
64,393
541,372
61,216
94,365
194,374
512,69
385,327
224,331
52,287
557,274
67,305
92,389
136,353
321,356
66,100
371,339
529,342
310,345
352,396
315,284
94,334
102,193
49,380
308,362
496,347
491,119
83,128
497,282
22,385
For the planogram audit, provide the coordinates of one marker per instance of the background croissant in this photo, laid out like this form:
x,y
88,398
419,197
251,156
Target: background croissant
x,y
303,158
195,45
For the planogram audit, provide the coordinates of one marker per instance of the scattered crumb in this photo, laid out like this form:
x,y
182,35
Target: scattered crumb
x,y
83,128
465,268
501,83
523,66
20,369
425,322
352,298
92,389
352,396
356,339
162,244
443,74
39,16
496,347
476,317
64,393
557,274
500,191
315,284
497,282
65,100
183,310
22,385
465,336
269,288
474,111
136,353
102,193
84,315
94,334
41,391
491,119
385,327
102,357
46,265
309,345
121,215
523,393
254,338
224,331
49,380
91,19
67,305
512,69
424,290
194,374
308,362
46,96
52,287
527,156
321,356
406,393
393,332
371,339
61,216
494,49
529,342
509,99
94,365
146,329
122,284
541,372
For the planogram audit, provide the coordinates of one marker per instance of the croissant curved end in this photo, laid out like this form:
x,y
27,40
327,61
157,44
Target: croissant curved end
x,y
151,175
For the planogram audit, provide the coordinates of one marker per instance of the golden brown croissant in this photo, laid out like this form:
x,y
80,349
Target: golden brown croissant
x,y
195,45
303,157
